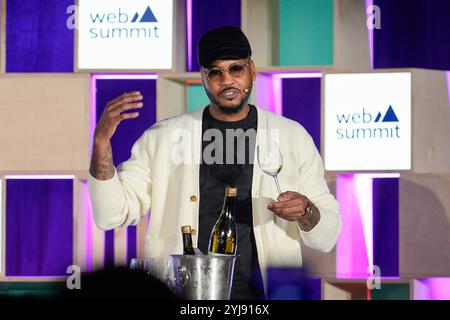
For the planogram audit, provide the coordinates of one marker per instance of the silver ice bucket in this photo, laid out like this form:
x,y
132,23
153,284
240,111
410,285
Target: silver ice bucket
x,y
203,277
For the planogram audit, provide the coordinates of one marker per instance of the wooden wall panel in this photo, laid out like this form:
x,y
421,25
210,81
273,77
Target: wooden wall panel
x,y
424,225
351,42
430,122
44,123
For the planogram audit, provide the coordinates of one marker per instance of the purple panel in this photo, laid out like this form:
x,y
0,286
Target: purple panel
x,y
39,227
289,283
131,244
208,15
109,249
386,225
129,130
432,289
314,286
413,34
301,102
352,248
126,135
37,37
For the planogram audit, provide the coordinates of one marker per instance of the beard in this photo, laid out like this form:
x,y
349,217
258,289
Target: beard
x,y
230,109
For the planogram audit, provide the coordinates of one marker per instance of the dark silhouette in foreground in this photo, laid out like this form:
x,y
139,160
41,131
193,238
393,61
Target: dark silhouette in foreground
x,y
119,284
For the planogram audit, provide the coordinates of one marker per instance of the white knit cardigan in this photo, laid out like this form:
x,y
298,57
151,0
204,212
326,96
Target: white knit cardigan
x,y
152,180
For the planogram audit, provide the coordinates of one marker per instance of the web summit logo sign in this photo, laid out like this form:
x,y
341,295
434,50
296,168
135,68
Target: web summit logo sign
x,y
364,125
120,24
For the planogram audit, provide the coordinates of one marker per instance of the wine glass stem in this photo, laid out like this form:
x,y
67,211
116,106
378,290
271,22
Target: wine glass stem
x,y
278,185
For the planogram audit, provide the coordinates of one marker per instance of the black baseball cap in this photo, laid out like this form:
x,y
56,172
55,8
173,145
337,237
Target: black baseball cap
x,y
222,43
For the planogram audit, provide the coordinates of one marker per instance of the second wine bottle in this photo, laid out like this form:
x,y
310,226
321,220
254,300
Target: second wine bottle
x,y
187,240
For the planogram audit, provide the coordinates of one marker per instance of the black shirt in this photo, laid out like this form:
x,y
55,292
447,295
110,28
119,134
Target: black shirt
x,y
216,173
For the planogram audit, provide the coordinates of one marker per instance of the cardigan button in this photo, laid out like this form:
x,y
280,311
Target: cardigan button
x,y
193,198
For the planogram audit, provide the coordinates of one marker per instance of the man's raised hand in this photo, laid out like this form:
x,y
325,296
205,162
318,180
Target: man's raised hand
x,y
102,166
114,113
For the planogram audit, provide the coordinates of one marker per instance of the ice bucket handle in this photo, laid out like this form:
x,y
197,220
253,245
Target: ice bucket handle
x,y
183,276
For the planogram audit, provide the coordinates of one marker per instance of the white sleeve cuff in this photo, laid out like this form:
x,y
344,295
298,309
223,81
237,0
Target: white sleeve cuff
x,y
324,235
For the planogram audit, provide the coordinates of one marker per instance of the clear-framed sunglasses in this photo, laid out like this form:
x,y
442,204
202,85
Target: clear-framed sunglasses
x,y
236,70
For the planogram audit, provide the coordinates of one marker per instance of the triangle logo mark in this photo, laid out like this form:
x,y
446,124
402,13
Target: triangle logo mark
x,y
390,115
148,16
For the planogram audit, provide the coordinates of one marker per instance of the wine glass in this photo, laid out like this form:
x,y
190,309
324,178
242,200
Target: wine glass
x,y
270,160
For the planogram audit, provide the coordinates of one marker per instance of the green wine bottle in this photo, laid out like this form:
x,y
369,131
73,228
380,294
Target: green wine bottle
x,y
223,239
187,240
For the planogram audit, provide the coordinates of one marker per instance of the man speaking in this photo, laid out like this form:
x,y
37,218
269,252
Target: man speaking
x,y
180,167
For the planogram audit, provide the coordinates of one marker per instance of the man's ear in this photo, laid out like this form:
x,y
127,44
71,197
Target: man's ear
x,y
203,77
253,68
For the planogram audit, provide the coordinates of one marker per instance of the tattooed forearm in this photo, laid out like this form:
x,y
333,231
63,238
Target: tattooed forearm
x,y
310,219
102,167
